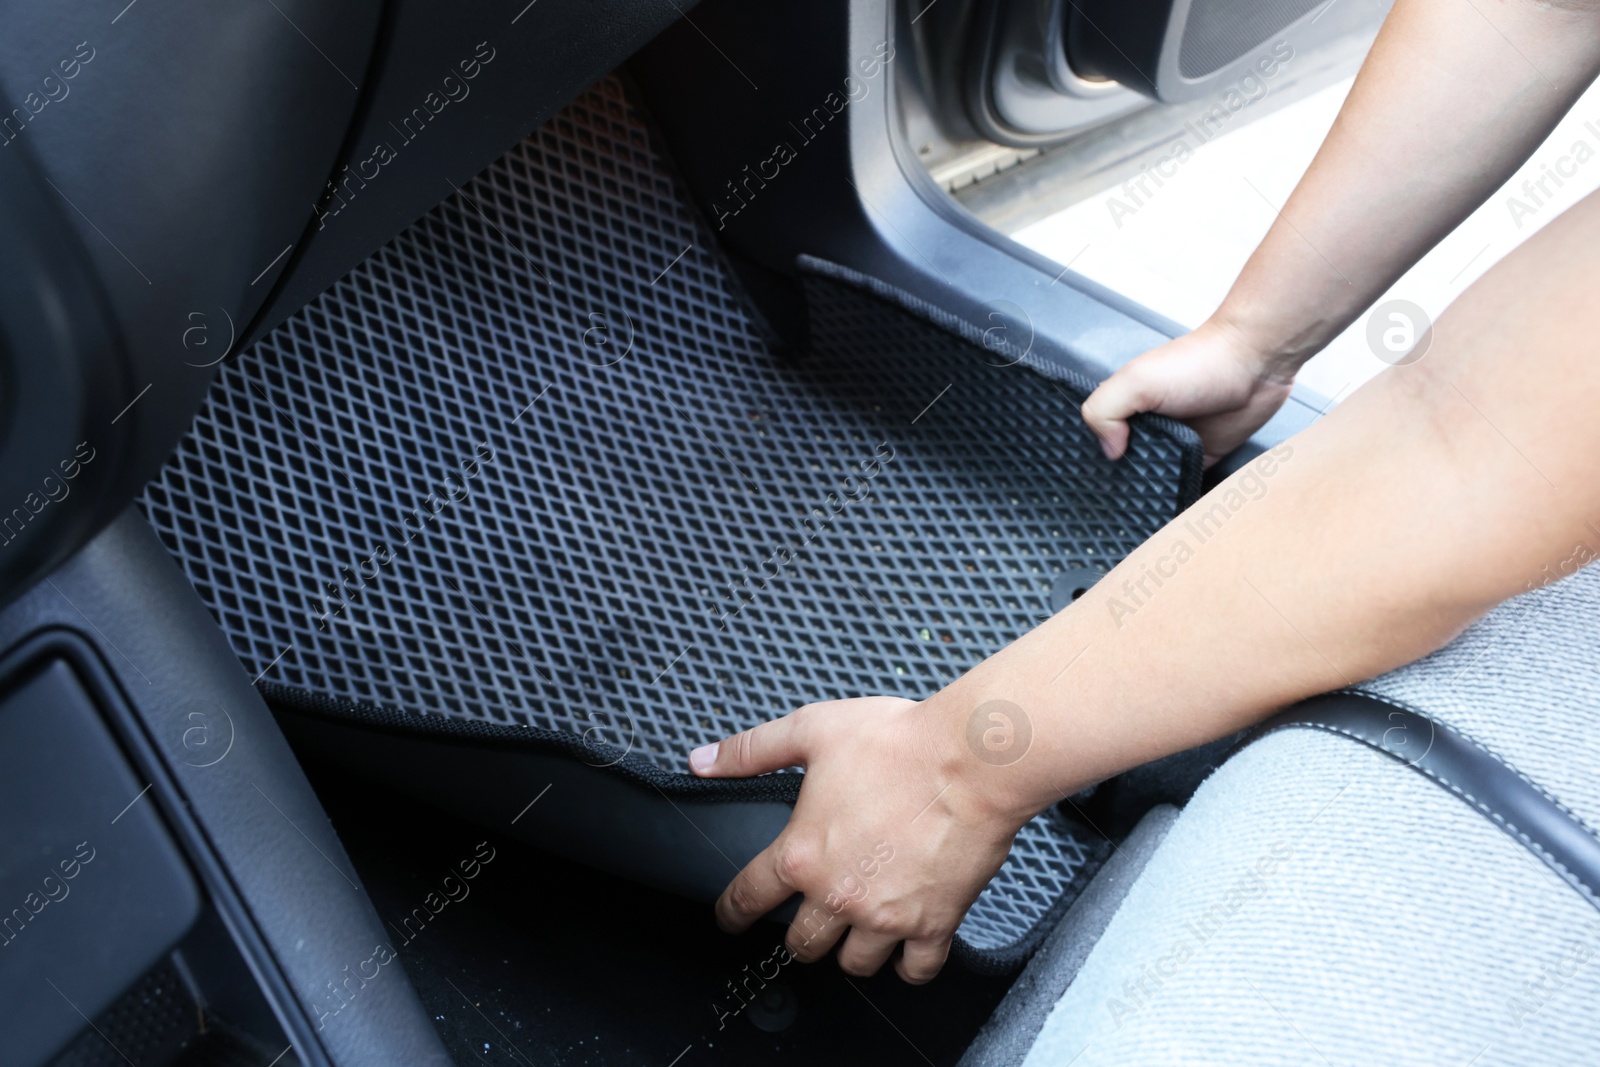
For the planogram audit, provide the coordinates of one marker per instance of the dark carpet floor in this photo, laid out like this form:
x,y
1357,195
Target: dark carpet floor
x,y
537,961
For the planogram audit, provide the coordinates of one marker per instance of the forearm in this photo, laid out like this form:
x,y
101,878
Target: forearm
x,y
1452,98
1439,489
1436,491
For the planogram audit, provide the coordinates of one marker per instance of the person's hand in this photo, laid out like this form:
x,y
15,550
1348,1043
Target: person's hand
x,y
1212,379
890,842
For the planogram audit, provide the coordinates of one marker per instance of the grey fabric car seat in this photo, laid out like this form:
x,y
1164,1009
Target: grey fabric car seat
x,y
1320,902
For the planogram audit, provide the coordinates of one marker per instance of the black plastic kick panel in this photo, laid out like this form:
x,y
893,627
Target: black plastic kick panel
x,y
204,752
157,165
92,888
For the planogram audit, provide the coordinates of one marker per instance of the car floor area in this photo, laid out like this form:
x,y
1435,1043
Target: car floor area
x,y
429,504
536,960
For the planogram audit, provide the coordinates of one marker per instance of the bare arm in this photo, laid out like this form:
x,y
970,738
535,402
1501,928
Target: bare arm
x,y
1435,492
1454,96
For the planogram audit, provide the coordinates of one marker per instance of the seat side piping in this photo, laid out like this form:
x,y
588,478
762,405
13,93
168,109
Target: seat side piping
x,y
1474,774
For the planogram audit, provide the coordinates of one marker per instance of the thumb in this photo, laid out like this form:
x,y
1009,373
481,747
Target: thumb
x,y
1120,397
771,746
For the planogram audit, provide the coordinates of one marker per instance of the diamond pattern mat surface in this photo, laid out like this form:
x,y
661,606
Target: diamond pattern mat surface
x,y
533,464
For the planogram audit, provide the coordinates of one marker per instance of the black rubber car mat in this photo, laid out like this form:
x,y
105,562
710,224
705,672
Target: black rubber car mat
x,y
532,473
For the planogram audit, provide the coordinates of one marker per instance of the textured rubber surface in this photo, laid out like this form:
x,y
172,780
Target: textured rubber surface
x,y
534,465
151,1022
157,1023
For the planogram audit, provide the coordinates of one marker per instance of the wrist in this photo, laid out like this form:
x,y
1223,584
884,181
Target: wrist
x,y
1272,348
985,751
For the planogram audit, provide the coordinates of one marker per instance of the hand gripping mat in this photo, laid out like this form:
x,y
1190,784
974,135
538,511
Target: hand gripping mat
x,y
530,476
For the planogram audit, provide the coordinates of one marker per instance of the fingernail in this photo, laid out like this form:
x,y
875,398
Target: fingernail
x,y
702,758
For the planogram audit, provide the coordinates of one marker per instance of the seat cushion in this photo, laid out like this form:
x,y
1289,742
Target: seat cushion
x,y
1320,902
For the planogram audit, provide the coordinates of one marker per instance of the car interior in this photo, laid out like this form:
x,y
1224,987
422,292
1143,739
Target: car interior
x,y
423,424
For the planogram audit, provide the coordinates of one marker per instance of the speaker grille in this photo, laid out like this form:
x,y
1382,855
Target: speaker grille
x,y
1220,31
